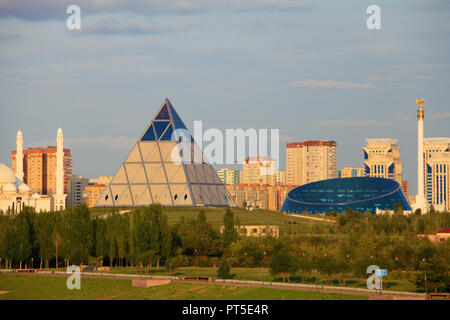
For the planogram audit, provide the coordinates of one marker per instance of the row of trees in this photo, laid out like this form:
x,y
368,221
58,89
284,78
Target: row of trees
x,y
144,238
74,237
394,223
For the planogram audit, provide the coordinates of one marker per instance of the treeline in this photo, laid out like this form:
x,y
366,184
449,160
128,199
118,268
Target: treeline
x,y
144,238
391,223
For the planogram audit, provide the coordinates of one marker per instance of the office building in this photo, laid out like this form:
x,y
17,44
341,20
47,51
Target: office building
x,y
382,159
437,172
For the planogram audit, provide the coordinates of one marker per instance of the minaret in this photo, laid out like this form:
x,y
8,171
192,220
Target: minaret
x,y
19,156
421,202
59,197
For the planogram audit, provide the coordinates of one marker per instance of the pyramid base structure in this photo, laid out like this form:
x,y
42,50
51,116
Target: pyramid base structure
x,y
157,171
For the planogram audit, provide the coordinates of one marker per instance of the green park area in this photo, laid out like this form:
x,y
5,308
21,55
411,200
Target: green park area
x,y
24,287
332,250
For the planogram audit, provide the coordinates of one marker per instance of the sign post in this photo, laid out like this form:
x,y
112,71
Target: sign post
x,y
381,273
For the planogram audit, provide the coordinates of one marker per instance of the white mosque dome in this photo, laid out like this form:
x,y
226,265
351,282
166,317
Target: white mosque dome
x,y
24,188
7,176
9,188
36,196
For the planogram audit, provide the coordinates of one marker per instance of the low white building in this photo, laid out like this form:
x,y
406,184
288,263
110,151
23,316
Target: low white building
x,y
15,195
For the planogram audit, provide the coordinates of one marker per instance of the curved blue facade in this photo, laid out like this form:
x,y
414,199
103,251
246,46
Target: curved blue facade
x,y
359,193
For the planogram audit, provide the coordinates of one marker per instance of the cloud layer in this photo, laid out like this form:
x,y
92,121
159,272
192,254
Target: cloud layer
x,y
332,84
50,9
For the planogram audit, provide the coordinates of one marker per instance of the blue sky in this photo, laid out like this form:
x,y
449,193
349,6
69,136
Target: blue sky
x,y
310,68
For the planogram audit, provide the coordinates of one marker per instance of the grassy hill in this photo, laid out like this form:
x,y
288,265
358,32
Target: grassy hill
x,y
215,215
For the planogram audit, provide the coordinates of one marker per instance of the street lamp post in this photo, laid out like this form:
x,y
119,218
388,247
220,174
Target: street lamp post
x,y
426,290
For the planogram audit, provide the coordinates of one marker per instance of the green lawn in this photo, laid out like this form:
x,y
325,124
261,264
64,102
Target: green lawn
x,y
24,287
262,274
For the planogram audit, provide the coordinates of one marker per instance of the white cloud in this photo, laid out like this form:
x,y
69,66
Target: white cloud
x,y
51,9
381,78
333,84
353,123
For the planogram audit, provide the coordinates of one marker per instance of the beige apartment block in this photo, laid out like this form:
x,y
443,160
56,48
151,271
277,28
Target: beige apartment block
x,y
259,170
310,161
281,177
349,172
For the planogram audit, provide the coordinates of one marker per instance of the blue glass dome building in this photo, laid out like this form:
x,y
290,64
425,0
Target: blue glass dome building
x,y
359,193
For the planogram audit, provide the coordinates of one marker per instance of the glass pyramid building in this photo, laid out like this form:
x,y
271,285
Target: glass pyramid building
x,y
165,166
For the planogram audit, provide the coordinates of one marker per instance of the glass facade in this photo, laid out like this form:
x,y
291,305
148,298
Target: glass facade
x,y
359,193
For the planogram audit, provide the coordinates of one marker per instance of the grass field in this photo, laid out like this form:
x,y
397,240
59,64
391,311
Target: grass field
x,y
31,287
262,274
256,217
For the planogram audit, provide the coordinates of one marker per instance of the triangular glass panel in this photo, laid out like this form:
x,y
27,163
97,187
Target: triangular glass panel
x,y
149,135
163,114
175,115
168,134
160,127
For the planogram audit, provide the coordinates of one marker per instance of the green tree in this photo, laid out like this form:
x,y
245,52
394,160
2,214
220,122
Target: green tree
x,y
436,273
230,234
224,270
45,228
285,263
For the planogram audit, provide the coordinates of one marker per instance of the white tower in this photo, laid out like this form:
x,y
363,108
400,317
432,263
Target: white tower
x,y
421,202
19,156
59,198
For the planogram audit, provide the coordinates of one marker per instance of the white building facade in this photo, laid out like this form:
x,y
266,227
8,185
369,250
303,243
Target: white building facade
x,y
437,172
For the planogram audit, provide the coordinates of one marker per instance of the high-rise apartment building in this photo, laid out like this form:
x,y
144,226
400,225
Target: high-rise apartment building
x,y
382,159
437,172
229,176
39,167
349,172
77,185
310,161
259,170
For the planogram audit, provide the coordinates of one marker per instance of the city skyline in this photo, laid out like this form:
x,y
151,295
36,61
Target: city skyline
x,y
312,70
